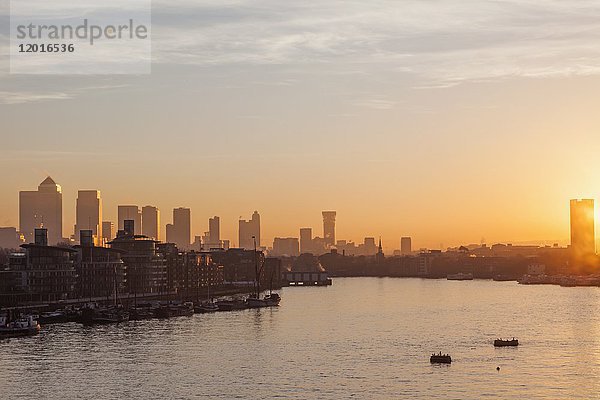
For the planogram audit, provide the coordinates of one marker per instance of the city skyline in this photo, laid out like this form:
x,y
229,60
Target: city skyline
x,y
391,243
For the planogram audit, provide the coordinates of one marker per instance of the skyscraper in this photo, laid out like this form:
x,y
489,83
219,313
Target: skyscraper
x,y
582,230
151,222
329,227
89,214
286,247
405,245
133,213
180,231
247,229
108,231
214,230
41,208
10,238
305,240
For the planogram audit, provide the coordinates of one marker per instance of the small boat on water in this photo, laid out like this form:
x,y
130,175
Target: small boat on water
x,y
206,307
59,316
104,315
53,317
254,300
272,299
141,313
440,358
505,343
231,305
175,310
24,326
460,277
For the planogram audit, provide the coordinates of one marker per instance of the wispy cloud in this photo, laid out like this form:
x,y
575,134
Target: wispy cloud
x,y
28,97
376,103
431,44
25,96
443,41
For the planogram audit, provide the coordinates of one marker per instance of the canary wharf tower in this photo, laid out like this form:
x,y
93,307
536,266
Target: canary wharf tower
x,y
42,208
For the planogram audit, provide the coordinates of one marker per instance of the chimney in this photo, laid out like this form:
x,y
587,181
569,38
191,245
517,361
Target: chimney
x,y
41,236
85,238
129,227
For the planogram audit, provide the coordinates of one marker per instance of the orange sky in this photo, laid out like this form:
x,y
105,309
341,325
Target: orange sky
x,y
450,124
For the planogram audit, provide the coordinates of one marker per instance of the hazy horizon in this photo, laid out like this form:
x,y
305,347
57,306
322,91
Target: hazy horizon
x,y
450,122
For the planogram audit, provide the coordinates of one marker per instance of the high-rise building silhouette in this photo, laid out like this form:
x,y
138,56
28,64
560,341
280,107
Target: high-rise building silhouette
x,y
329,227
369,247
130,213
214,230
42,208
306,240
151,222
180,231
10,238
405,245
108,231
89,214
379,257
582,230
247,229
286,247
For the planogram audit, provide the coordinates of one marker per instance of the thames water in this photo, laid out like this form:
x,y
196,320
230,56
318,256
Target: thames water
x,y
363,338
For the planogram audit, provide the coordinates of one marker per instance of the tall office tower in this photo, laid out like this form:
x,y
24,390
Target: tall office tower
x,y
405,245
247,229
329,227
305,240
170,233
214,230
582,230
108,231
89,214
42,208
151,222
369,246
133,213
180,231
10,238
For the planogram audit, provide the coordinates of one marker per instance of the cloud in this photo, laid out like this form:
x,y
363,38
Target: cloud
x,y
376,103
441,41
430,44
23,96
28,97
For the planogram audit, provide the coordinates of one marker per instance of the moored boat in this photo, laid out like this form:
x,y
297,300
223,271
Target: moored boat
x,y
53,317
108,315
231,305
175,310
206,307
272,299
24,326
255,302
